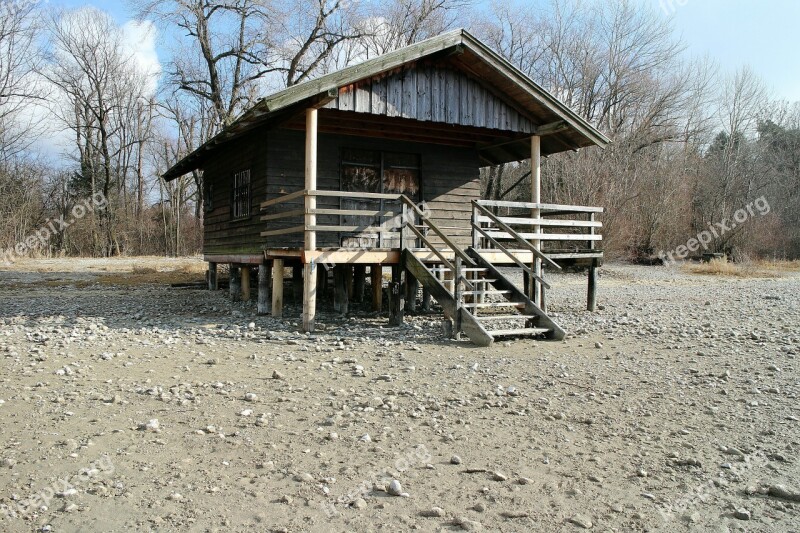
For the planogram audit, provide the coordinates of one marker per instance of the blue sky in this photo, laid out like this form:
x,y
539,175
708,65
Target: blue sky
x,y
762,34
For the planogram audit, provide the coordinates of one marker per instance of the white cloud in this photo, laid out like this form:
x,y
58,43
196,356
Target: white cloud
x,y
139,39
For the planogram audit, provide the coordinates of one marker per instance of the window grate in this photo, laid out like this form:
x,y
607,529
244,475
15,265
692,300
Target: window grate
x,y
241,194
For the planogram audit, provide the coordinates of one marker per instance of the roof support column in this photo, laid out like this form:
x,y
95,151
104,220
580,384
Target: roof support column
x,y
536,198
310,268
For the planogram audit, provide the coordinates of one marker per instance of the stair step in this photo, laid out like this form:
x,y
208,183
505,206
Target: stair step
x,y
482,280
487,318
518,332
486,293
494,304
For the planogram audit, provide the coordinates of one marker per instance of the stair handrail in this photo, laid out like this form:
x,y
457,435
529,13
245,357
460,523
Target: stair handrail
x,y
459,253
508,229
511,256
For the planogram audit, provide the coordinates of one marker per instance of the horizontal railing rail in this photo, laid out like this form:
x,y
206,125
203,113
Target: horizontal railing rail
x,y
581,226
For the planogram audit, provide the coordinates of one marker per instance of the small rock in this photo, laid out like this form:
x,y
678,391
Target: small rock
x,y
251,397
455,460
741,514
276,375
598,345
499,476
582,521
304,478
433,512
395,488
359,503
151,425
469,525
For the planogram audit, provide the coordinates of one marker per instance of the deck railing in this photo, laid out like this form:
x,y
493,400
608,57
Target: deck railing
x,y
561,229
387,217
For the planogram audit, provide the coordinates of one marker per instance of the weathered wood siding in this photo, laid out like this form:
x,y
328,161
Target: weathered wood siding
x,y
450,180
432,94
222,235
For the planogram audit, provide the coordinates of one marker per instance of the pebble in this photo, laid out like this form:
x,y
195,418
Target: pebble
x,y
433,512
469,525
741,514
304,477
251,397
151,425
395,488
455,460
276,375
359,503
582,521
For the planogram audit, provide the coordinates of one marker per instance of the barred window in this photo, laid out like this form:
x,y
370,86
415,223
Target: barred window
x,y
241,194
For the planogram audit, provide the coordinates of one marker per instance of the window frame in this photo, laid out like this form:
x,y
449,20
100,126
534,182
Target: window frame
x,y
241,195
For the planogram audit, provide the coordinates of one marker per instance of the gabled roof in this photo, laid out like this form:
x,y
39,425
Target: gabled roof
x,y
564,129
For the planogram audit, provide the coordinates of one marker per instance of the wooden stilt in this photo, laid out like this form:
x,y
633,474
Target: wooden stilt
x,y
264,275
297,283
235,283
348,281
591,297
322,281
340,294
412,287
376,278
212,277
426,300
277,288
245,283
309,297
359,280
397,304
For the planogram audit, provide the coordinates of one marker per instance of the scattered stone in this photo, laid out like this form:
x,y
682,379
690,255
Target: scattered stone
x,y
741,514
151,425
395,488
499,476
433,512
304,477
251,397
455,460
359,503
582,521
276,375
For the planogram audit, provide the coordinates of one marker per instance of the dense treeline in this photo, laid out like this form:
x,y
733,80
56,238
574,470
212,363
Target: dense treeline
x,y
692,147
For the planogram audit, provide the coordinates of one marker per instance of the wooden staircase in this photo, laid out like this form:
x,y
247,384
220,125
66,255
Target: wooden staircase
x,y
473,293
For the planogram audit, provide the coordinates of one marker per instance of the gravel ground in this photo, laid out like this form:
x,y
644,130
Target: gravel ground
x,y
143,408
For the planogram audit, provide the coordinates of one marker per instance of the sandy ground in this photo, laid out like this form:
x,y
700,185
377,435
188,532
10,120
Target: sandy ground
x,y
136,407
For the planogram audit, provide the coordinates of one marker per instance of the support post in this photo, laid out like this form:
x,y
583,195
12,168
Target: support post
x,y
235,283
396,306
376,279
277,288
245,283
212,277
341,302
426,300
591,297
309,269
264,275
359,280
457,296
536,198
297,283
412,288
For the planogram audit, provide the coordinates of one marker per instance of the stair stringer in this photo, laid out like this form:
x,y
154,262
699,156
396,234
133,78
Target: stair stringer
x,y
469,325
517,296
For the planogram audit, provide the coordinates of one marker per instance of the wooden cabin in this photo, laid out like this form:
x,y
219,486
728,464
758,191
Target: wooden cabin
x,y
378,165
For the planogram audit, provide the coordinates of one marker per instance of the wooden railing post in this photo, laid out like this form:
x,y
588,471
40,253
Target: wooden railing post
x,y
536,198
404,222
457,294
591,290
476,239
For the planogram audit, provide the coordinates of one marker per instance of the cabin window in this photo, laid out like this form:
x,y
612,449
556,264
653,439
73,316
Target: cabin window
x,y
374,171
241,194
